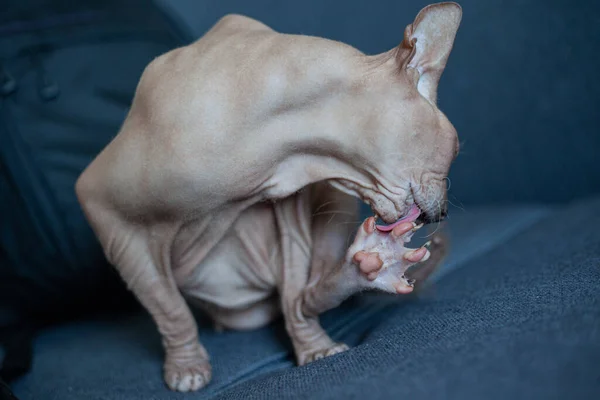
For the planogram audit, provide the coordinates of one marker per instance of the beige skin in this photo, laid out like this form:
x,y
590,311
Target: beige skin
x,y
220,188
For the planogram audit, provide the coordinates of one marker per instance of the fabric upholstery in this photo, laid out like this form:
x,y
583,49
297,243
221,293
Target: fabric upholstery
x,y
504,323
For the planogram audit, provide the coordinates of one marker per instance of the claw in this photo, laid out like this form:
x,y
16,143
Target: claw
x,y
417,227
416,255
426,245
403,288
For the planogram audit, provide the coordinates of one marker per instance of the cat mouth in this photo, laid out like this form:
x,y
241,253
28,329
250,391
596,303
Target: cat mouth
x,y
411,216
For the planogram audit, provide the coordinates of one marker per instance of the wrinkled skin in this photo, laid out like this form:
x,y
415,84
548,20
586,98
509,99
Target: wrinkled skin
x,y
235,179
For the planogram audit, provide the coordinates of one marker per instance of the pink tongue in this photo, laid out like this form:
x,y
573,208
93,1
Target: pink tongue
x,y
412,215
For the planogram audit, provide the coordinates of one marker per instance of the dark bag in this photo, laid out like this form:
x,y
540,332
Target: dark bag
x,y
68,72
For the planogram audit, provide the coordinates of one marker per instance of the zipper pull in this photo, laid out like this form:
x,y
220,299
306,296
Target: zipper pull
x,y
48,89
8,84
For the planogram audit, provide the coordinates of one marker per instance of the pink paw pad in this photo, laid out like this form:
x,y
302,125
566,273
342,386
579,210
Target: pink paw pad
x,y
382,258
369,264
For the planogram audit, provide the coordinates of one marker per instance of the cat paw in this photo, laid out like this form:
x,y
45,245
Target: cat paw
x,y
314,355
187,376
382,258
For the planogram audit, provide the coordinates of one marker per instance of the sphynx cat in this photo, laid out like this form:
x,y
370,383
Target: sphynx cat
x,y
233,183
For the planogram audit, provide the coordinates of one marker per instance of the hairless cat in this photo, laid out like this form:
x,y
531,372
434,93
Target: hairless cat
x,y
234,181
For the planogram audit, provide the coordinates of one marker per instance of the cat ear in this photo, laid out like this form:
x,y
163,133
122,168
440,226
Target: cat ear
x,y
427,45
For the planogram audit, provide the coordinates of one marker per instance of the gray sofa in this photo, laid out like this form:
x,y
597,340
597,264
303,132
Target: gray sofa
x,y
514,312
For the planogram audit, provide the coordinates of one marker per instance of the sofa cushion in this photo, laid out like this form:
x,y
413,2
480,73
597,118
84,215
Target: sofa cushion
x,y
119,356
521,321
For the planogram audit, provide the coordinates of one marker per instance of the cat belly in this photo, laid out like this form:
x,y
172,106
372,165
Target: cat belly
x,y
236,282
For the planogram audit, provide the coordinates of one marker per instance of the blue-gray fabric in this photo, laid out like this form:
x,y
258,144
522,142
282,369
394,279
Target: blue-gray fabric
x,y
519,319
49,258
